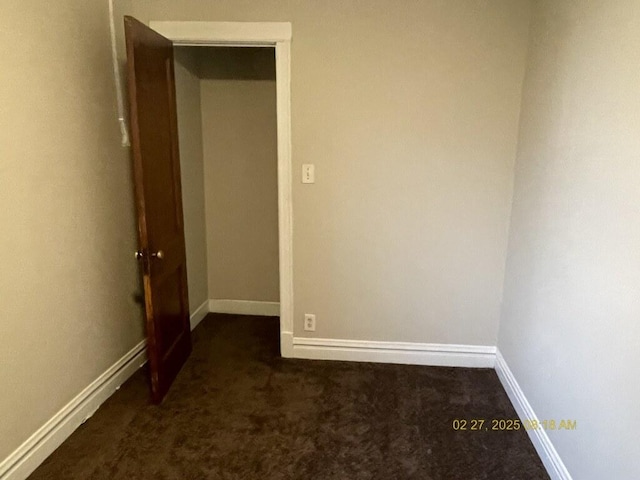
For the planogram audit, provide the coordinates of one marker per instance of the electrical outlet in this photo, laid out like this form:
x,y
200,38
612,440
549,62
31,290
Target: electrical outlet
x,y
309,322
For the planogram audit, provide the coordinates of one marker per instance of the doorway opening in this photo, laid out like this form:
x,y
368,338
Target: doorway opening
x,y
226,109
241,74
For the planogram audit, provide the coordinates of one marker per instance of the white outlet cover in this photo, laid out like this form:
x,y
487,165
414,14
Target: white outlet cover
x,y
308,173
309,322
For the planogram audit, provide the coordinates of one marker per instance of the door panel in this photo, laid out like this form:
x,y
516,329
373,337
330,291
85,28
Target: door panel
x,y
156,166
167,299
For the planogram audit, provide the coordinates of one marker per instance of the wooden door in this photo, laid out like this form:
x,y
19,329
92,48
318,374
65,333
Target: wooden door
x,y
156,166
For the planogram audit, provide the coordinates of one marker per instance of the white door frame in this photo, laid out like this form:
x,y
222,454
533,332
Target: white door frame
x,y
259,34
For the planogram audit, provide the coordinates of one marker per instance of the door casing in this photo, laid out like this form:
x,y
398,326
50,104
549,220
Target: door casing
x,y
259,34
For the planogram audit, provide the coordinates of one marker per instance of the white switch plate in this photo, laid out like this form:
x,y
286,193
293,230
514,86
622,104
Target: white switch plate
x,y
308,173
309,322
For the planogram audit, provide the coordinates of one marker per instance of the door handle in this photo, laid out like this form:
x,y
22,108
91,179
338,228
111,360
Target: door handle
x,y
139,254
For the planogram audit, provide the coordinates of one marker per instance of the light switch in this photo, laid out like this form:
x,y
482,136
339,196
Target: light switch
x,y
308,173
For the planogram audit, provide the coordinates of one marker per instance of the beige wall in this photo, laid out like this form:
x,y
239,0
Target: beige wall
x,y
68,230
192,172
241,161
569,328
409,110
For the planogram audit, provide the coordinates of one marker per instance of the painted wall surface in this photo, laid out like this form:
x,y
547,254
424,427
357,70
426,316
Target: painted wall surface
x,y
241,161
409,112
68,227
569,328
192,173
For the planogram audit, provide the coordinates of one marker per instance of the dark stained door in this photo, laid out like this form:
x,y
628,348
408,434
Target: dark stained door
x,y
156,166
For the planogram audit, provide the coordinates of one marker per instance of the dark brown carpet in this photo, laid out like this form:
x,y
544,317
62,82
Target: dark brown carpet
x,y
238,411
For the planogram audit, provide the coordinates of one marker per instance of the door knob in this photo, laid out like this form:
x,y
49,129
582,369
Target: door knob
x,y
139,254
159,254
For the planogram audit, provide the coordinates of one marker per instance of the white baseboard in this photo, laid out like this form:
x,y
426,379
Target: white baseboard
x,y
199,314
245,307
433,354
541,441
23,461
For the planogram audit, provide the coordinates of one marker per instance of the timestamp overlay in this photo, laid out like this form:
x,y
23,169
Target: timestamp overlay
x,y
511,424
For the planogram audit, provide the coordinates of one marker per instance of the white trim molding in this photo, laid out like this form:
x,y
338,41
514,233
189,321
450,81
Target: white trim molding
x,y
433,354
541,441
286,344
223,33
24,460
245,307
199,314
285,197
260,34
